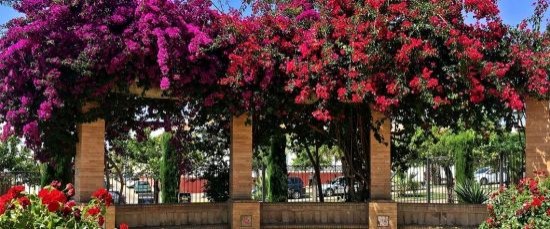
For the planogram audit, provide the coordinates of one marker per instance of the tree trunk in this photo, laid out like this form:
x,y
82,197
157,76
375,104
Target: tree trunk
x,y
449,183
118,173
314,159
157,192
352,136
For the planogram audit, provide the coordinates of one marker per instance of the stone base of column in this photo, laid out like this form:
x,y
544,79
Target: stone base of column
x,y
382,214
244,214
110,220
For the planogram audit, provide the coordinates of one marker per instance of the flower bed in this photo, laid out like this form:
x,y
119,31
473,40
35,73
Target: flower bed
x,y
52,208
523,206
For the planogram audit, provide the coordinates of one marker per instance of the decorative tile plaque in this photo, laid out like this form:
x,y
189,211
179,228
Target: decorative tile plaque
x,y
383,221
246,221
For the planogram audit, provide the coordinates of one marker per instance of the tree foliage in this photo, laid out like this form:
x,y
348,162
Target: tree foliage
x,y
324,65
15,157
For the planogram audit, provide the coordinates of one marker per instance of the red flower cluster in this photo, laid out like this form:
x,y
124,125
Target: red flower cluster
x,y
341,56
58,203
52,198
531,194
14,193
104,196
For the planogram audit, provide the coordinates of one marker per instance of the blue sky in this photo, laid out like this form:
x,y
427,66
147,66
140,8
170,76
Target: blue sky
x,y
512,11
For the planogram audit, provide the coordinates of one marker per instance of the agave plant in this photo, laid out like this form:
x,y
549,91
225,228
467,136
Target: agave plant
x,y
471,192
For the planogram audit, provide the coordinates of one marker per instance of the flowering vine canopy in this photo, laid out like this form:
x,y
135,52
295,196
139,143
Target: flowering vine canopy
x,y
319,52
379,52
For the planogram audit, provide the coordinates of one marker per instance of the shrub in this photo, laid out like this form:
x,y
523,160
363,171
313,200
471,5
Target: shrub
x,y
52,208
471,192
524,206
406,182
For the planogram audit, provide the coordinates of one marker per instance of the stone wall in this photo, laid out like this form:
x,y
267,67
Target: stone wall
x,y
314,215
440,215
198,215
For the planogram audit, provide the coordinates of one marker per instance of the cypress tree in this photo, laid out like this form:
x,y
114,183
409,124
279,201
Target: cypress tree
x,y
276,182
169,170
464,168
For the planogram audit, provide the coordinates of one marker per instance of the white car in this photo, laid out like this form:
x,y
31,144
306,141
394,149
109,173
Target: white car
x,y
336,187
487,175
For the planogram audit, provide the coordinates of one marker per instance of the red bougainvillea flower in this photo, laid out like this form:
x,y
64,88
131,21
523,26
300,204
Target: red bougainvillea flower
x,y
52,198
104,196
123,226
94,211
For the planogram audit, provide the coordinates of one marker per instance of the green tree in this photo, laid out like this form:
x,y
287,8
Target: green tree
x,y
169,176
141,158
277,184
326,155
15,157
446,148
510,147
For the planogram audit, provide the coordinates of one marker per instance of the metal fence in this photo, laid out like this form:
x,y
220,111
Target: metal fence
x,y
302,185
30,180
146,189
432,181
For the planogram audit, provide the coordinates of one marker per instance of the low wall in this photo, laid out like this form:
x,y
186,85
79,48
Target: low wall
x,y
440,215
314,215
196,215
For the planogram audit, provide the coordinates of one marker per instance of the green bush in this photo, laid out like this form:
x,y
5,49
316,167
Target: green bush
x,y
471,192
524,206
217,182
406,183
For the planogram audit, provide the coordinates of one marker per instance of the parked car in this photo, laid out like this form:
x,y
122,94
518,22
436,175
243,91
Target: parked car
x,y
488,175
296,188
336,187
130,182
146,198
142,187
184,197
117,197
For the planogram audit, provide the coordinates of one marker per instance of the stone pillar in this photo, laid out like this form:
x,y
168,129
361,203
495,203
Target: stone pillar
x,y
90,157
537,136
110,220
245,212
382,210
380,158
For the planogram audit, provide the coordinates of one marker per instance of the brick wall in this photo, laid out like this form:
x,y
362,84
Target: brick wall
x,y
314,215
440,215
201,215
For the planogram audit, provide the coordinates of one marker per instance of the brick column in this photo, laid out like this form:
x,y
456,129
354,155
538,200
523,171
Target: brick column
x,y
382,210
537,136
245,212
380,159
90,157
